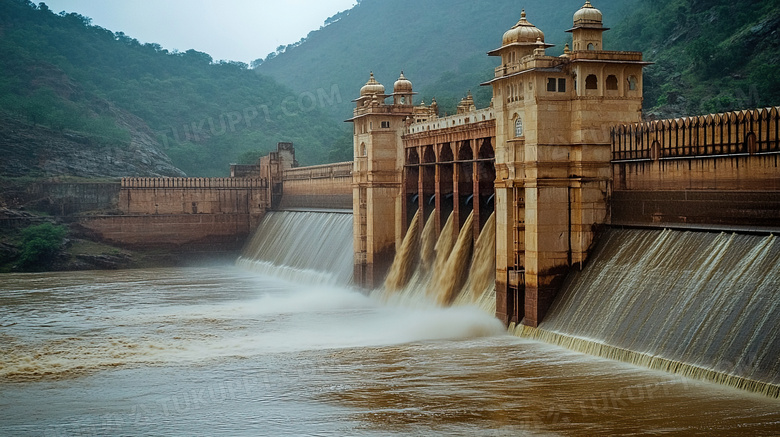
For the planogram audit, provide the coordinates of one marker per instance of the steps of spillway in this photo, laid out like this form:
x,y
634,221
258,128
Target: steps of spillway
x,y
701,304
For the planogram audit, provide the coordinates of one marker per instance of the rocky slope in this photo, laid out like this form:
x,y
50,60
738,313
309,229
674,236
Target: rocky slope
x,y
39,151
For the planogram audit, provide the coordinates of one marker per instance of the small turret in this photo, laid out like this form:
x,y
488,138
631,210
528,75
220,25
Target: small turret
x,y
372,87
402,91
522,40
588,28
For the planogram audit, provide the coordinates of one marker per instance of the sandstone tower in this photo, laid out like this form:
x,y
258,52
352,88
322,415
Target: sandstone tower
x,y
553,116
545,139
377,174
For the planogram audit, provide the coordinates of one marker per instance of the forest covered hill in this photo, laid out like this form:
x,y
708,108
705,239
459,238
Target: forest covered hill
x,y
441,46
709,55
118,96
70,90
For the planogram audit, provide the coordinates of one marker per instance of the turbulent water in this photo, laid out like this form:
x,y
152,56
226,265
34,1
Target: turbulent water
x,y
230,350
313,247
450,269
225,351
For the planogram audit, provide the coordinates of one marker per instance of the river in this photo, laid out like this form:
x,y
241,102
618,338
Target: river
x,y
226,351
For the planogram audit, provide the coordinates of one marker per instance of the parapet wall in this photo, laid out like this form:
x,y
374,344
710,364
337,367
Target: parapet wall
x,y
193,196
321,186
192,183
184,213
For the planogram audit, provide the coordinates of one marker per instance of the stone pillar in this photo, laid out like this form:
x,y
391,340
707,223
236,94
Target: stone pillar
x,y
546,246
504,251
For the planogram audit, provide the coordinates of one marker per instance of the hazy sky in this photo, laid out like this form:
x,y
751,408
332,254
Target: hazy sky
x,y
238,30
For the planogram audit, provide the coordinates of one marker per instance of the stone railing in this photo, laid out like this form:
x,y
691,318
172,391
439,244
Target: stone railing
x,y
452,120
747,132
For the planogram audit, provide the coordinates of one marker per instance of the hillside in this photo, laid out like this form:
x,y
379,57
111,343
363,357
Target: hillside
x,y
63,78
441,46
77,99
710,55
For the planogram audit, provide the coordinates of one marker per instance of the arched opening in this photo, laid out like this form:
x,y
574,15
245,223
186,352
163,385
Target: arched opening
x,y
444,203
591,46
633,83
591,82
518,127
612,83
465,182
412,185
428,178
486,174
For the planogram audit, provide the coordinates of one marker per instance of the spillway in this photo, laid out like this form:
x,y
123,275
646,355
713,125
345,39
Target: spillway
x,y
305,247
701,304
451,269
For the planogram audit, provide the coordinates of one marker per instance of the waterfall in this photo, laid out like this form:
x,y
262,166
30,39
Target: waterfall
x,y
450,279
450,270
406,259
308,247
480,288
705,305
428,245
441,251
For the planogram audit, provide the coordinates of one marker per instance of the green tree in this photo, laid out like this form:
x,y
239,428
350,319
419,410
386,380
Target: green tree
x,y
41,244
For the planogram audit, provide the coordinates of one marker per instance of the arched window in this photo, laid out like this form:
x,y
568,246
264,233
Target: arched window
x,y
519,127
591,82
632,83
612,82
363,151
591,46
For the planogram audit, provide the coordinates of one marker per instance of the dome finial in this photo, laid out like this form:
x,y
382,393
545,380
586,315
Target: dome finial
x,y
566,50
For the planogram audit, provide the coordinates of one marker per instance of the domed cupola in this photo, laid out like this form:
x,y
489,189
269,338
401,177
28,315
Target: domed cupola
x,y
402,85
372,87
523,32
588,16
402,91
520,41
588,28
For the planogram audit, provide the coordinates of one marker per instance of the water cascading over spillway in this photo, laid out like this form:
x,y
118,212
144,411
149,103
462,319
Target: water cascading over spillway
x,y
306,247
450,270
705,305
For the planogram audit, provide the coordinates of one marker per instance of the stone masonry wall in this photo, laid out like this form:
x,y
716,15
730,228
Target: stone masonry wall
x,y
322,186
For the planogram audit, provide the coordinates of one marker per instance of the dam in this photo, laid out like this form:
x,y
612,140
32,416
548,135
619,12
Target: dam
x,y
508,208
635,262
